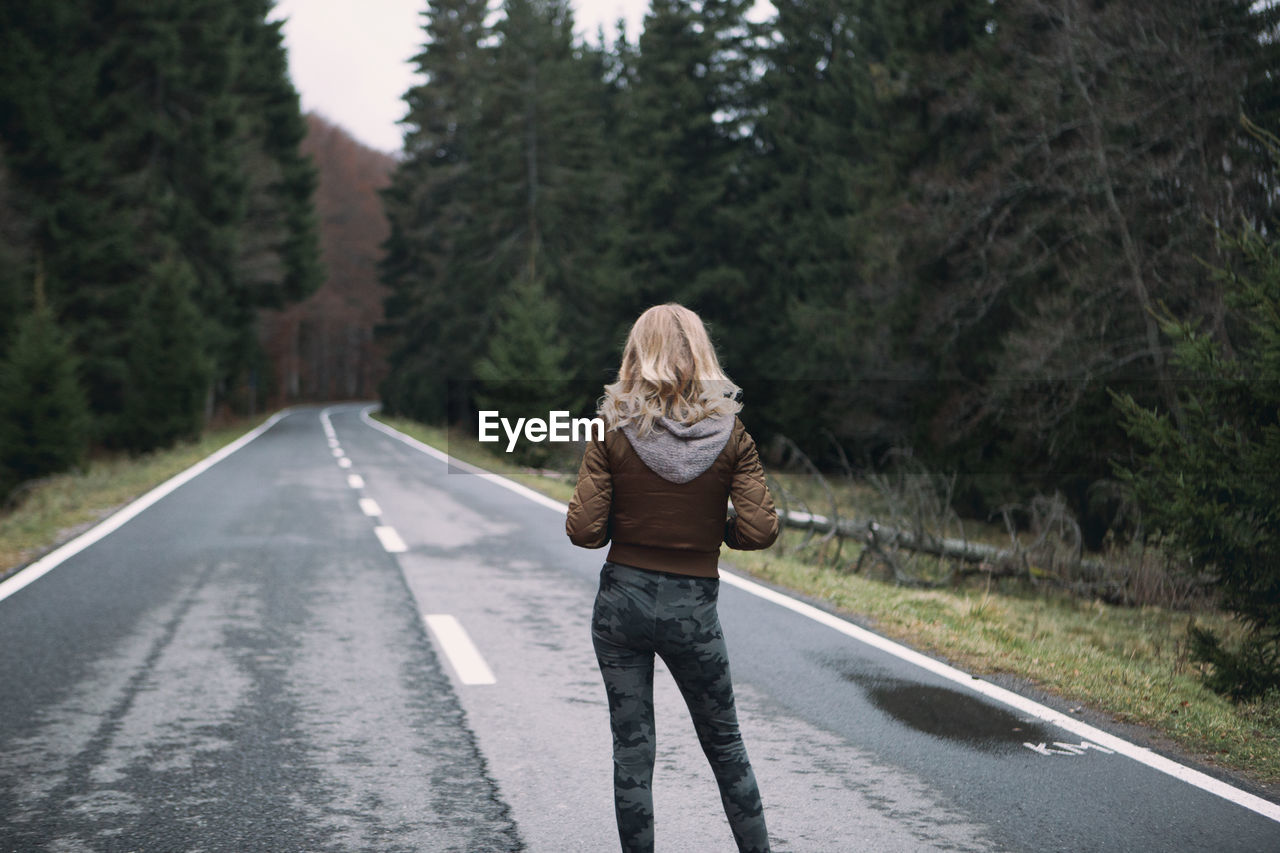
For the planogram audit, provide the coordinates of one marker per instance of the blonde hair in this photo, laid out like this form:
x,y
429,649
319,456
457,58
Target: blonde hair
x,y
669,369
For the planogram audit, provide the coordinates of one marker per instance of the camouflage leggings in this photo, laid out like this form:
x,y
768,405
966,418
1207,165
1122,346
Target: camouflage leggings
x,y
639,613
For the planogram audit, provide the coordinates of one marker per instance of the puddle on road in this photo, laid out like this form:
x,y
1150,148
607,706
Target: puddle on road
x,y
951,714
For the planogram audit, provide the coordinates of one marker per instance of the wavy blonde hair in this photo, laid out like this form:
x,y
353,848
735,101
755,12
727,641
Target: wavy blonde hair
x,y
669,369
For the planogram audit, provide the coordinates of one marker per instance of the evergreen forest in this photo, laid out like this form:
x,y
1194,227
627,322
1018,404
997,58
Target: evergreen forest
x,y
953,226
153,200
1030,243
1027,242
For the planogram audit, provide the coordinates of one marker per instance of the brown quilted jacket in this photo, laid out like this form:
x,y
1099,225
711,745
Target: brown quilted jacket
x,y
671,527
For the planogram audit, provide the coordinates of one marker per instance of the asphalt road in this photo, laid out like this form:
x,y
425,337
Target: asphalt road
x,y
246,665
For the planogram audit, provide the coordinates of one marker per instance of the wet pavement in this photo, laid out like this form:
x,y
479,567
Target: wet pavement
x,y
245,667
952,715
240,668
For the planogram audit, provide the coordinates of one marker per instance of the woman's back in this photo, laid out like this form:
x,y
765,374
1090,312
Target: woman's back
x,y
668,492
657,486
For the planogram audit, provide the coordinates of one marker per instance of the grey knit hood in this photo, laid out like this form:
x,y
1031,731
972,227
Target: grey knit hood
x,y
679,452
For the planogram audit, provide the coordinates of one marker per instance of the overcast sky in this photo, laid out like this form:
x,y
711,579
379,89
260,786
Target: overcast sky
x,y
350,58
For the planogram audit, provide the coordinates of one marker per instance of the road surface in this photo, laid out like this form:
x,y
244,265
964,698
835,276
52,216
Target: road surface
x,y
331,640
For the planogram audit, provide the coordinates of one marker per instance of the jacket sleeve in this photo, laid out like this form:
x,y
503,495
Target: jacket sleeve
x,y
755,525
588,520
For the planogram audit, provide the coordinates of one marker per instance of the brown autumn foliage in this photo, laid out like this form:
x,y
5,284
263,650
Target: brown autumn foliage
x,y
323,348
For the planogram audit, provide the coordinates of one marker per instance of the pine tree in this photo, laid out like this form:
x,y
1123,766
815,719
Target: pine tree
x,y
504,178
676,238
1209,482
540,141
430,311
44,418
810,234
15,246
140,129
52,117
168,363
1049,240
851,97
524,373
278,258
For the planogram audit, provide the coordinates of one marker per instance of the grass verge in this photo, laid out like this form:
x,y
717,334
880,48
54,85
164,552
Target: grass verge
x,y
1131,664
58,508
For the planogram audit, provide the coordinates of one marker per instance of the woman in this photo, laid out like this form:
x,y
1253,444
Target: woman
x,y
657,486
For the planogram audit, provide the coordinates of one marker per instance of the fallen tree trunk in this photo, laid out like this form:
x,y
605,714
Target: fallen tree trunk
x,y
882,536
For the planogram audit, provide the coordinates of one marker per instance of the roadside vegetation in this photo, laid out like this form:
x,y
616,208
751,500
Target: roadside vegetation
x,y
1131,662
47,512
1039,287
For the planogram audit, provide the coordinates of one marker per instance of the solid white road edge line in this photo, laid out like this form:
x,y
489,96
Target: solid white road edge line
x,y
972,682
463,655
370,507
54,558
1008,697
390,539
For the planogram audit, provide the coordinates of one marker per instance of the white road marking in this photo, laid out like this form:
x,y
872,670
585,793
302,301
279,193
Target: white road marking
x,y
337,452
1082,746
355,481
370,507
390,539
344,462
1006,697
333,442
52,560
463,655
327,424
1067,748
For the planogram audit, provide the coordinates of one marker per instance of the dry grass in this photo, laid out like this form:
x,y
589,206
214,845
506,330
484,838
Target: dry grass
x,y
1131,663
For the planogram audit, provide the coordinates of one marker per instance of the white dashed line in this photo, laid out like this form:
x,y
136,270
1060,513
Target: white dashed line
x,y
390,539
370,507
463,655
333,442
344,462
355,481
337,451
